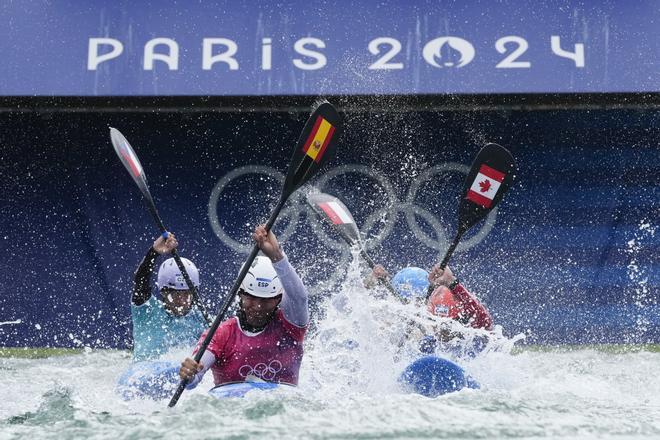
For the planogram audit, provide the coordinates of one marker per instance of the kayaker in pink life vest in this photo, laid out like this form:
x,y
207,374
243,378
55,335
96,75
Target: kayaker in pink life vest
x,y
264,342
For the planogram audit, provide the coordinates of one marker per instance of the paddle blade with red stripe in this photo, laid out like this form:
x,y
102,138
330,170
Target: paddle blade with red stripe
x,y
130,160
333,211
315,147
489,179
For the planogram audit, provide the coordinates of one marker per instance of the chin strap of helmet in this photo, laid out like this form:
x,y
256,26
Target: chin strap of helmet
x,y
251,328
242,319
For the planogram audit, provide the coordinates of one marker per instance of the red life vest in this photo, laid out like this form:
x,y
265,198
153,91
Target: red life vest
x,y
460,305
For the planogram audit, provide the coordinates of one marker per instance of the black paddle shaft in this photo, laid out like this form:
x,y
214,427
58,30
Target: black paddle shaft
x,y
493,167
451,250
177,259
315,147
129,159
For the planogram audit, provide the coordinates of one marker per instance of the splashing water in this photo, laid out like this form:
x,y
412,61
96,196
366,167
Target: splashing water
x,y
348,389
367,339
639,274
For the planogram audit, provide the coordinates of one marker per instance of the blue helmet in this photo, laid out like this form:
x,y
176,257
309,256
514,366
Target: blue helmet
x,y
411,282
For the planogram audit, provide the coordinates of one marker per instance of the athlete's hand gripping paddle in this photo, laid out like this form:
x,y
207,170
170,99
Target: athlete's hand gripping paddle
x,y
490,177
132,164
315,147
333,211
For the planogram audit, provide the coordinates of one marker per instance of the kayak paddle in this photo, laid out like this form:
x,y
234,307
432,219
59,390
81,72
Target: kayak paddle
x,y
333,211
490,177
132,164
315,147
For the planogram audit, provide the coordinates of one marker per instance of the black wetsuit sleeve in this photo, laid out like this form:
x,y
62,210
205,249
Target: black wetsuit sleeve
x,y
142,277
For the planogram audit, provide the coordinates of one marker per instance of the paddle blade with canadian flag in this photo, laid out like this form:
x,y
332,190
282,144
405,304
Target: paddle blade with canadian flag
x,y
332,210
489,179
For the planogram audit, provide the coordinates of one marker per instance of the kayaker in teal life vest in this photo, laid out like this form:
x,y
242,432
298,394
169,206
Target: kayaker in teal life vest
x,y
171,320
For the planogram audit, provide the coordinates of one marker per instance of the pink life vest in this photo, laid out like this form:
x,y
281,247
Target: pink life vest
x,y
274,355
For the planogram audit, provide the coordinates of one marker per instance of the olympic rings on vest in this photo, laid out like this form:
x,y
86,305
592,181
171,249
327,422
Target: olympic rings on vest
x,y
261,370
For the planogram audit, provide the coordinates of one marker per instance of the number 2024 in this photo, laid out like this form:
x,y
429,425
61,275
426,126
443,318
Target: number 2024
x,y
511,61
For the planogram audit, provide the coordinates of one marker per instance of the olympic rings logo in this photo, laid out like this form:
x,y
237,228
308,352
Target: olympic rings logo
x,y
261,370
387,217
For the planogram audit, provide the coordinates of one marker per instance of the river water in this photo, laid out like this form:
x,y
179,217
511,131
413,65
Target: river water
x,y
349,389
572,394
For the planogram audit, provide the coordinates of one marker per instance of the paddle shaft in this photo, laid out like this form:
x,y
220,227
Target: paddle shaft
x,y
229,298
315,146
195,296
448,255
445,260
451,249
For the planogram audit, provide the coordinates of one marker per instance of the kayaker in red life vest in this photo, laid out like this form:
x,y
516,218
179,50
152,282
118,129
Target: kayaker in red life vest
x,y
449,298
264,342
443,294
440,294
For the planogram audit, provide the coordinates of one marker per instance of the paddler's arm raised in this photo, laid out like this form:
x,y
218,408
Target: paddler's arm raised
x,y
377,275
295,299
476,313
142,276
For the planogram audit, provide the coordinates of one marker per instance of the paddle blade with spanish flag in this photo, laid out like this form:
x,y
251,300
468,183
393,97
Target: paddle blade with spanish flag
x,y
489,179
315,146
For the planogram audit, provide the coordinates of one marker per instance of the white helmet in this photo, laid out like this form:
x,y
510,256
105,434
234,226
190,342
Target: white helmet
x,y
170,276
262,280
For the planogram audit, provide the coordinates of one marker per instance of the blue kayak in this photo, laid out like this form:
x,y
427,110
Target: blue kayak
x,y
429,376
433,376
159,379
149,379
242,388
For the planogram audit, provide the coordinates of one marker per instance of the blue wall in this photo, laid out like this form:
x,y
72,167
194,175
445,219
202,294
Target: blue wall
x,y
572,254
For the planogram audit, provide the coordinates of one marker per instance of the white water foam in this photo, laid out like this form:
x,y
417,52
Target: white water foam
x,y
348,389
